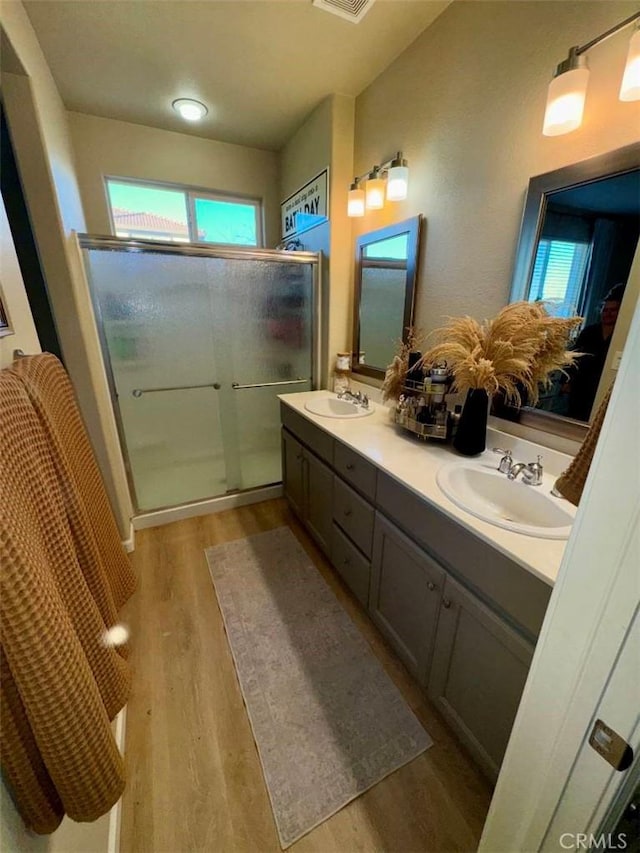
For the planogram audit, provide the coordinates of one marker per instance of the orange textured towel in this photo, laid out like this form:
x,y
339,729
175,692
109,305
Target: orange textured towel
x,y
103,559
60,684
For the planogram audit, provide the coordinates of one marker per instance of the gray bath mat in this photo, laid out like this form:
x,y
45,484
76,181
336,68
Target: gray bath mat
x,y
327,720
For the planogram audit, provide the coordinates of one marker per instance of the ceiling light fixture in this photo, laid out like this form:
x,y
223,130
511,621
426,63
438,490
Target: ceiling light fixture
x,y
568,89
392,177
189,109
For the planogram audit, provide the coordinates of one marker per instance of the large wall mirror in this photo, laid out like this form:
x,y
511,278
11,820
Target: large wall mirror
x,y
385,278
577,244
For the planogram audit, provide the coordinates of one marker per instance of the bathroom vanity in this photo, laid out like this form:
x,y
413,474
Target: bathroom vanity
x,y
460,600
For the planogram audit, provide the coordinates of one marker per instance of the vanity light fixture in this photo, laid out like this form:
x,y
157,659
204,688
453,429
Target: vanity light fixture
x,y
189,109
568,89
355,200
390,179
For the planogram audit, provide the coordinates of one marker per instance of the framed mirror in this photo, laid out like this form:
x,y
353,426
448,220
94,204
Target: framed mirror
x,y
578,240
384,291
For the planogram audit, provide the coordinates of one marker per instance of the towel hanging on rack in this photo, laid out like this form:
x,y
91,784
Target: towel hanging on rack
x,y
102,557
61,684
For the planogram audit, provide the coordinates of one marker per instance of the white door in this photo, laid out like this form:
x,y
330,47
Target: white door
x,y
588,654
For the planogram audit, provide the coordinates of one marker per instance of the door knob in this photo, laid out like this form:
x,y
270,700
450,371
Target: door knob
x,y
446,603
431,586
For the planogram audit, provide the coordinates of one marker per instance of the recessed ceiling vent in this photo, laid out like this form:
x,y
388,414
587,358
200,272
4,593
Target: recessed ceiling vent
x,y
352,10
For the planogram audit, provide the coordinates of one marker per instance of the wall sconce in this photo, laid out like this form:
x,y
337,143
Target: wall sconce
x,y
392,177
568,89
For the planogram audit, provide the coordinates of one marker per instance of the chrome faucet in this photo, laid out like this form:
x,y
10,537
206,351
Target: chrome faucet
x,y
355,397
531,472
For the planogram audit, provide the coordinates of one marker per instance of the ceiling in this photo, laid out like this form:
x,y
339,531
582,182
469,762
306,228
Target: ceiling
x,y
260,66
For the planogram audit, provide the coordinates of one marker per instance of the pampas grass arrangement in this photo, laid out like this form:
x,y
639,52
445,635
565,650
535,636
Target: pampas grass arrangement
x,y
397,372
519,349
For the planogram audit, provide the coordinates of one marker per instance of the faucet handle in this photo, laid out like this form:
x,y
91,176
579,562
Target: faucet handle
x,y
505,463
533,473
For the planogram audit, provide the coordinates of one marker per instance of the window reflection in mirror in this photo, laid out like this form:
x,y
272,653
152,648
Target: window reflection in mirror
x,y
384,293
577,244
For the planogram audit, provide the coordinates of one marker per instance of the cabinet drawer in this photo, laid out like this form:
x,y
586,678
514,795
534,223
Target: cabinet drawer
x,y
315,438
515,591
355,470
354,515
352,567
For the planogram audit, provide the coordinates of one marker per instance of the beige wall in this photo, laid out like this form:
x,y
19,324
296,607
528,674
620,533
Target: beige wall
x,y
40,133
326,139
465,103
118,148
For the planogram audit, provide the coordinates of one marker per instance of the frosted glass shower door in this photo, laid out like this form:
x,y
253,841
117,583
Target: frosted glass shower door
x,y
159,328
268,310
200,342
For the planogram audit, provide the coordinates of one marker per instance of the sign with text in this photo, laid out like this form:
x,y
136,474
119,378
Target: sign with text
x,y
306,208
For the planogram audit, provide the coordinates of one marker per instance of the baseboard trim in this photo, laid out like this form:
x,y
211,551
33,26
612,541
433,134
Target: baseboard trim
x,y
115,815
179,513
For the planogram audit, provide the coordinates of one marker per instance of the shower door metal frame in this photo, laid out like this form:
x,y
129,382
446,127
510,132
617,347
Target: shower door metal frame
x,y
121,244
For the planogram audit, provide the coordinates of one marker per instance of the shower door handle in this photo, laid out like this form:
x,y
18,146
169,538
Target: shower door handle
x,y
237,387
138,392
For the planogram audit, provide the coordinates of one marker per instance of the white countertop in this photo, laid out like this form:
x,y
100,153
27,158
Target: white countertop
x,y
415,463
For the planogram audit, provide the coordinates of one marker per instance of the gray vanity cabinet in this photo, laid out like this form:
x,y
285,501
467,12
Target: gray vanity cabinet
x,y
319,509
404,598
461,615
292,472
308,486
478,672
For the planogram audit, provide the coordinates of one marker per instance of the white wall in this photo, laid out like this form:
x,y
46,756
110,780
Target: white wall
x,y
106,147
465,103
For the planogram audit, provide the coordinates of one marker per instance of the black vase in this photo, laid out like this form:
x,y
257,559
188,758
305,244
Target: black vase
x,y
470,439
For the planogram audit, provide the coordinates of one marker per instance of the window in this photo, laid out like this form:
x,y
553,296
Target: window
x,y
559,275
160,212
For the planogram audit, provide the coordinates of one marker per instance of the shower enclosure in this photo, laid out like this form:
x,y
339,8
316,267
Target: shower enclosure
x,y
198,342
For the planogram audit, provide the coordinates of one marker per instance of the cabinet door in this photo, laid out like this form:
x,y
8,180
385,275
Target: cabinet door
x,y
292,473
479,669
319,486
404,599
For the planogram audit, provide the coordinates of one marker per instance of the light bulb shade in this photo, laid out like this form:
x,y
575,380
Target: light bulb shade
x,y
565,102
374,189
397,183
355,201
630,88
189,109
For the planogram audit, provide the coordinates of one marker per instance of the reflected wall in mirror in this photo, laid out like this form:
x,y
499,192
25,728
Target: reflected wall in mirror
x,y
578,241
385,277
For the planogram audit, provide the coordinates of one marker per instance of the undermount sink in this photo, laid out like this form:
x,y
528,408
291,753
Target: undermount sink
x,y
491,496
332,407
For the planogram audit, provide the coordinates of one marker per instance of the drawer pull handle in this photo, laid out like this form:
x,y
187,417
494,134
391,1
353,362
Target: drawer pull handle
x,y
347,513
298,455
350,466
431,586
446,603
346,561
